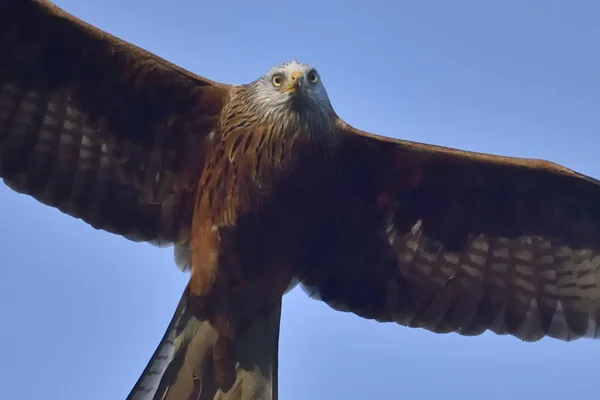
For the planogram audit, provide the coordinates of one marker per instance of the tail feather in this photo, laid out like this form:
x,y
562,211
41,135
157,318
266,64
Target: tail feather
x,y
181,366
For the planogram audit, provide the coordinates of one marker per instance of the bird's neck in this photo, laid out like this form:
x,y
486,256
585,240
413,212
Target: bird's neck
x,y
258,154
276,137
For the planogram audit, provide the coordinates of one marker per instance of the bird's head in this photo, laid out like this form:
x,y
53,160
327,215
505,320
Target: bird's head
x,y
293,87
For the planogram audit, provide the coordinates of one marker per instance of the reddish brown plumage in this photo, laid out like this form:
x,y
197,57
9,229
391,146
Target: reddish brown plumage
x,y
390,230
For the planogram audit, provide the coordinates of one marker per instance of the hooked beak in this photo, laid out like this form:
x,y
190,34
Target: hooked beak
x,y
296,83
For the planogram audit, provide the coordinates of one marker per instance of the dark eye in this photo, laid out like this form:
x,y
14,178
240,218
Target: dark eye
x,y
277,79
313,77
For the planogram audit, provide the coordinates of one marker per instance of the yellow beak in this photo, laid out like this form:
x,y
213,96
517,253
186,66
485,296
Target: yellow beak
x,y
295,82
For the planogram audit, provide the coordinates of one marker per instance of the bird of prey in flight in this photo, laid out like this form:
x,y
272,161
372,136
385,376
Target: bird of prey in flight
x,y
262,186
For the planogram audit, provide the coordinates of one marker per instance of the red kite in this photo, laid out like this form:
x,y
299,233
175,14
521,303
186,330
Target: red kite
x,y
262,185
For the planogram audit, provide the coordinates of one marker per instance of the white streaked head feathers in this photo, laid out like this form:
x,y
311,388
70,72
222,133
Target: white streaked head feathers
x,y
275,92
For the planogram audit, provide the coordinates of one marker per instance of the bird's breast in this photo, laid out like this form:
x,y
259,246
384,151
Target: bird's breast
x,y
253,164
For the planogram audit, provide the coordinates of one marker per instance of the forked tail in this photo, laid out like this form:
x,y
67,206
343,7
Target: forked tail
x,y
181,366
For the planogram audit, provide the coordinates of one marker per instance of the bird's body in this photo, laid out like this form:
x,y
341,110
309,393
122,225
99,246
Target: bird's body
x,y
263,185
266,147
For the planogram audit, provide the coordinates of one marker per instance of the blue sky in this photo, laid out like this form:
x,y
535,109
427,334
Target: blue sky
x,y
82,310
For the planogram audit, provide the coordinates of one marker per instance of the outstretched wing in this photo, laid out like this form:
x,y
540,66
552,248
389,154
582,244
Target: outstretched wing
x,y
98,128
454,241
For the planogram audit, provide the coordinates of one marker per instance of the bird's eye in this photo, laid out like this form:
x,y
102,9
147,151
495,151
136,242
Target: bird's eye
x,y
313,77
277,80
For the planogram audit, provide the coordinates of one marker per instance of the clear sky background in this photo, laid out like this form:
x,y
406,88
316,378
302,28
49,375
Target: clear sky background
x,y
82,311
